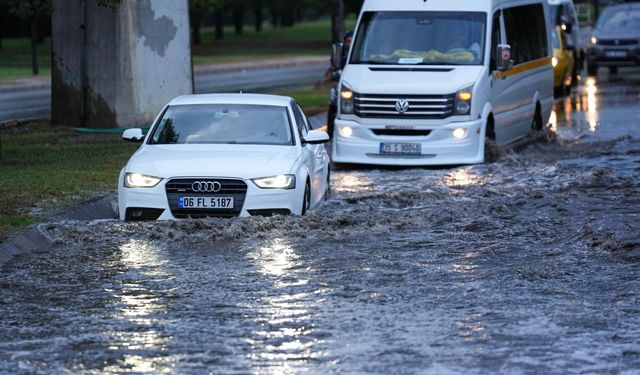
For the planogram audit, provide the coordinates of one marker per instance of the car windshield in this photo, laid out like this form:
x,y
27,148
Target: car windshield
x,y
420,38
620,19
224,123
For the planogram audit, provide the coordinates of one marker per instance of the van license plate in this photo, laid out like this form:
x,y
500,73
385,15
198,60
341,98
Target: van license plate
x,y
205,202
401,148
616,54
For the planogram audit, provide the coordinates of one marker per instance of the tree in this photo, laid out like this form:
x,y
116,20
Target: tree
x,y
258,14
238,16
337,21
31,10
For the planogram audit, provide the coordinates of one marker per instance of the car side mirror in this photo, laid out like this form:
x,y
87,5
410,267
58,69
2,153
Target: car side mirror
x,y
566,24
336,55
316,137
503,57
133,135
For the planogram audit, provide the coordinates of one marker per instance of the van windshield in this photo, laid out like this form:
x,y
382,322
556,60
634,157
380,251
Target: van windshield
x,y
420,38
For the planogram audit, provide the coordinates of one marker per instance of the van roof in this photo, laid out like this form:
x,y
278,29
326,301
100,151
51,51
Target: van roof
x,y
441,5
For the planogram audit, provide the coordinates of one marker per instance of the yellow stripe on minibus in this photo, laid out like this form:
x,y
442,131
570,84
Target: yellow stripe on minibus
x,y
524,67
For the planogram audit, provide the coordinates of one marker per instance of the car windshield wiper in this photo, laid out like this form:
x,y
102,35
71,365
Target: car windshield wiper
x,y
376,62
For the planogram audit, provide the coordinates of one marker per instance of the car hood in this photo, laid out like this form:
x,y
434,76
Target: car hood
x,y
616,34
362,79
239,161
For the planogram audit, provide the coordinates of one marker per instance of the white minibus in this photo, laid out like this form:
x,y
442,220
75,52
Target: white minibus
x,y
428,81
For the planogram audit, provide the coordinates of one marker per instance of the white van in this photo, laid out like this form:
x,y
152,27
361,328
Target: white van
x,y
427,81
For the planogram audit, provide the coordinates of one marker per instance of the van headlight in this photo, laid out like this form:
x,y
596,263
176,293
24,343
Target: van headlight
x,y
139,180
283,181
462,102
346,100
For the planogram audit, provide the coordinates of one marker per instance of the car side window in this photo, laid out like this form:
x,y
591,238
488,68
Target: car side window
x,y
300,119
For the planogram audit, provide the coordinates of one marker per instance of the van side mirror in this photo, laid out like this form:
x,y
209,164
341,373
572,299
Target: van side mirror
x,y
336,55
133,135
503,58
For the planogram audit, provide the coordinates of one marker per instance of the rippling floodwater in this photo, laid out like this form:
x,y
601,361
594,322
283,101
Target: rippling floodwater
x,y
527,265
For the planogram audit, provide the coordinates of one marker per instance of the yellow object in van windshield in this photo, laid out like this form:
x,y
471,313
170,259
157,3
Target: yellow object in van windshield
x,y
432,55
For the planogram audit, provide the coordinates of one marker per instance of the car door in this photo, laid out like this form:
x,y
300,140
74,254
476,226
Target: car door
x,y
314,155
503,100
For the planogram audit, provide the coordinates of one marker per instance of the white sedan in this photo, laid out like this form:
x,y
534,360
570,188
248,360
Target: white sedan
x,y
224,155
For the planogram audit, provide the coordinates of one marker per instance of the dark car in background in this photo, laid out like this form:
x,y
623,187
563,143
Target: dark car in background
x,y
615,39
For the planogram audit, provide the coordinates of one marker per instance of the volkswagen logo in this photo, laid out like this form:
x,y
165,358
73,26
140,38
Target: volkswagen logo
x,y
402,105
206,186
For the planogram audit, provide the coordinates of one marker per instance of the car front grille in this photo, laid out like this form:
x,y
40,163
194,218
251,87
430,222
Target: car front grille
x,y
618,42
420,106
237,189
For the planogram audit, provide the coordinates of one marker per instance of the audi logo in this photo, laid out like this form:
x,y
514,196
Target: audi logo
x,y
402,105
206,186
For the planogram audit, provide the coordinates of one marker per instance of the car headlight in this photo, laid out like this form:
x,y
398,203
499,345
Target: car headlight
x,y
283,181
346,99
462,103
594,40
138,180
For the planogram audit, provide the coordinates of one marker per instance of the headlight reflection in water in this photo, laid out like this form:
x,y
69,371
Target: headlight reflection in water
x,y
138,306
286,343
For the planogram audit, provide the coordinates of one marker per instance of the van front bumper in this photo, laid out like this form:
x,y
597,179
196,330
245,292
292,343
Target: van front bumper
x,y
440,147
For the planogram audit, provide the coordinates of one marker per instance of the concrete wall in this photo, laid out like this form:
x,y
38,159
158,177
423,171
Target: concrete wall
x,y
136,58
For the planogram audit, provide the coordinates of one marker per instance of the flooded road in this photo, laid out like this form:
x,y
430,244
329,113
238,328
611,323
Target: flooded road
x,y
529,265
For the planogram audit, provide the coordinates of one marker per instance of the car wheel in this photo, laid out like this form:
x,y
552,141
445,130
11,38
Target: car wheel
x,y
306,200
490,150
592,69
536,123
327,192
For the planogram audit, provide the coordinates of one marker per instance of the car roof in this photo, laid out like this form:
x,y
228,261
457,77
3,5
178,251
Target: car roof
x,y
255,99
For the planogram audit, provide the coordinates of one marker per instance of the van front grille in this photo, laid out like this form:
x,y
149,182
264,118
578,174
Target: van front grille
x,y
419,106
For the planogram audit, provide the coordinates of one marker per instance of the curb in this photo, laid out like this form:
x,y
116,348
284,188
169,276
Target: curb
x,y
263,64
37,239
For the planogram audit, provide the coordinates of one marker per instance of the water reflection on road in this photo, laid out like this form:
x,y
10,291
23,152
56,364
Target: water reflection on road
x,y
526,265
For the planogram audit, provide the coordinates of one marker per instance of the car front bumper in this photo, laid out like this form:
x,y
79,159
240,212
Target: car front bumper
x,y
256,201
437,148
606,55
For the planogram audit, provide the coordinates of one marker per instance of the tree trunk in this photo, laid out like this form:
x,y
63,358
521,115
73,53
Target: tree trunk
x,y
196,35
218,16
287,17
238,17
258,15
275,19
337,21
34,46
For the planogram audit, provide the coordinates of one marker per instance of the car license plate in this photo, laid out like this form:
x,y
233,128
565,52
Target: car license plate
x,y
616,54
205,202
401,148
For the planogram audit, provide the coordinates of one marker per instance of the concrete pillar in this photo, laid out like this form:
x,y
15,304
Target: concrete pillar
x,y
118,68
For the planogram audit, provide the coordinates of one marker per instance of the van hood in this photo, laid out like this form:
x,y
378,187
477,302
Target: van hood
x,y
240,161
409,80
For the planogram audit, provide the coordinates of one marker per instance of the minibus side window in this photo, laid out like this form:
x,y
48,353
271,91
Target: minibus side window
x,y
495,40
526,32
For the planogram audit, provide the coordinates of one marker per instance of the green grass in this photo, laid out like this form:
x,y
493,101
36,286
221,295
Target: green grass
x,y
45,168
304,39
311,100
15,59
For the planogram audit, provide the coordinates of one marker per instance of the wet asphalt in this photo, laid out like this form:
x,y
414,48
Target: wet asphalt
x,y
528,265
